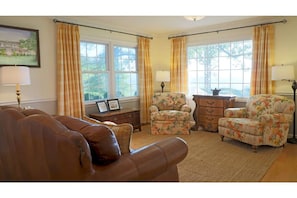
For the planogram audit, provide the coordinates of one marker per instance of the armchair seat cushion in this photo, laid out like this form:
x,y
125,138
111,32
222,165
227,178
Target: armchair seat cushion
x,y
243,125
170,115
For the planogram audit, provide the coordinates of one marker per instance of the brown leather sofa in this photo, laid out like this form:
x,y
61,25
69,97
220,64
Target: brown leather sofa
x,y
35,146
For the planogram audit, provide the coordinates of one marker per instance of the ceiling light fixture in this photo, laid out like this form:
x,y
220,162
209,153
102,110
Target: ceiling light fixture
x,y
194,18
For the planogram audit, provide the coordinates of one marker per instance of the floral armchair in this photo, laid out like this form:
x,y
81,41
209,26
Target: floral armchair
x,y
170,114
264,121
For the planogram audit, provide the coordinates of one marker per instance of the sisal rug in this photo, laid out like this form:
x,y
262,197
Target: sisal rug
x,y
211,160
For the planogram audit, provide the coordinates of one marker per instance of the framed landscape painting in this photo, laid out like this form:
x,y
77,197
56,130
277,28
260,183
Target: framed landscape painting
x,y
19,46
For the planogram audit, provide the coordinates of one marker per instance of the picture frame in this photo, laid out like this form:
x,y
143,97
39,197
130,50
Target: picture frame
x,y
19,46
102,106
113,104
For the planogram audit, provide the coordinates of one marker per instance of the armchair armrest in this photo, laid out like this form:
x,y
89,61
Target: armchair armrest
x,y
186,108
235,112
153,108
275,118
145,163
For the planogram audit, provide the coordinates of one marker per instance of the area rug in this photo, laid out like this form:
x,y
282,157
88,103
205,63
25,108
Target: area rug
x,y
211,160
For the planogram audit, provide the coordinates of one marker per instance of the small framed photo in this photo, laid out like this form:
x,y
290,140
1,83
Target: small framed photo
x,y
102,106
113,104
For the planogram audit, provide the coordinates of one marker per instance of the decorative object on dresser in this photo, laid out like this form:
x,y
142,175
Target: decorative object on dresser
x,y
113,104
102,106
209,109
131,116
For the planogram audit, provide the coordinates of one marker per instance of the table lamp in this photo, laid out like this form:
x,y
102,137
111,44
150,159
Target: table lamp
x,y
163,76
15,76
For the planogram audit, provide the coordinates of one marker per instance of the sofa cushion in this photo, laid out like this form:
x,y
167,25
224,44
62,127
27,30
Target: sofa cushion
x,y
103,143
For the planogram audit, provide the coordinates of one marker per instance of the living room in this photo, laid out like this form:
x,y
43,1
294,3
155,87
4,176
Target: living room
x,y
42,91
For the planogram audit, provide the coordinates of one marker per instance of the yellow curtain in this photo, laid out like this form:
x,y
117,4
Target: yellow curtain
x,y
69,83
145,78
178,65
263,55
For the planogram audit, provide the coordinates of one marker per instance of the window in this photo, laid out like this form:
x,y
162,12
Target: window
x,y
225,66
108,73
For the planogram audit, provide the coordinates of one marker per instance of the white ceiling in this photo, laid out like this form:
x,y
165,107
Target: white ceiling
x,y
163,25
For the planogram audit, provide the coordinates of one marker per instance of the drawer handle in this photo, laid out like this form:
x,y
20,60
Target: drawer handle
x,y
210,102
209,111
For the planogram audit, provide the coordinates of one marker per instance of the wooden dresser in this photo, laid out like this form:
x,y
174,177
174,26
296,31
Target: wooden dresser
x,y
209,109
131,116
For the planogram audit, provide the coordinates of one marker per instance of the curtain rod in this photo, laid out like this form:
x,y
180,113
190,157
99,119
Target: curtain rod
x,y
58,21
217,31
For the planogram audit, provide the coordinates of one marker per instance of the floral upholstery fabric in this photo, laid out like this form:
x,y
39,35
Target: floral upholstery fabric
x,y
264,121
170,114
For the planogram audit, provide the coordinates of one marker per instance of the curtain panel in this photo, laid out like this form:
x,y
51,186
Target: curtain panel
x,y
145,78
69,83
178,65
263,57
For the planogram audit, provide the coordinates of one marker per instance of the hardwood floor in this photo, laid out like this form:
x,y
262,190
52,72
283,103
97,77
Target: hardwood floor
x,y
284,169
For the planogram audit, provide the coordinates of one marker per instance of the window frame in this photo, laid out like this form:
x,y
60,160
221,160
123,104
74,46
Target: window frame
x,y
110,43
218,70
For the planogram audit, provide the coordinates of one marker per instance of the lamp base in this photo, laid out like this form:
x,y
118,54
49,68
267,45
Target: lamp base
x,y
292,140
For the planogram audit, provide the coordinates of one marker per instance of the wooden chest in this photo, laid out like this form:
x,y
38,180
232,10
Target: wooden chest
x,y
209,109
131,116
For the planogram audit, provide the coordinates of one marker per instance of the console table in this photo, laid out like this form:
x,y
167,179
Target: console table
x,y
131,116
209,109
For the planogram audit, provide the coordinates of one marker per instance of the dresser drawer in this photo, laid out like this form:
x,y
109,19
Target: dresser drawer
x,y
211,103
209,126
211,111
211,119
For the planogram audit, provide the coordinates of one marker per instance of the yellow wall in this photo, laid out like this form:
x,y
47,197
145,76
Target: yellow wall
x,y
160,59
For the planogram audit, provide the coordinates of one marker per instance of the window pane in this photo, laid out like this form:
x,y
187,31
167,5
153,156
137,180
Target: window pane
x,y
124,59
126,85
95,86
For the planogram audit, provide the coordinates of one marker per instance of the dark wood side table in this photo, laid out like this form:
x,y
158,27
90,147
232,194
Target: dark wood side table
x,y
209,109
131,116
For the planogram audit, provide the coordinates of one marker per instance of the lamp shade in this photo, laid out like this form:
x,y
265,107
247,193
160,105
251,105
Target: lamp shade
x,y
12,75
163,76
283,72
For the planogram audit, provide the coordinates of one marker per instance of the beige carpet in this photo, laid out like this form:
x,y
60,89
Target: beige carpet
x,y
211,160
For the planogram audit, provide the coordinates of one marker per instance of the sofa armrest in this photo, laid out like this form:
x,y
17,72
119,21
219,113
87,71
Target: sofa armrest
x,y
186,108
123,132
144,164
235,112
153,108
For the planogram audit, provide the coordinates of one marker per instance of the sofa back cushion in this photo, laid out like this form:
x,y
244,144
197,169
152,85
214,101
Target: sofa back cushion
x,y
261,104
169,101
39,148
103,143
